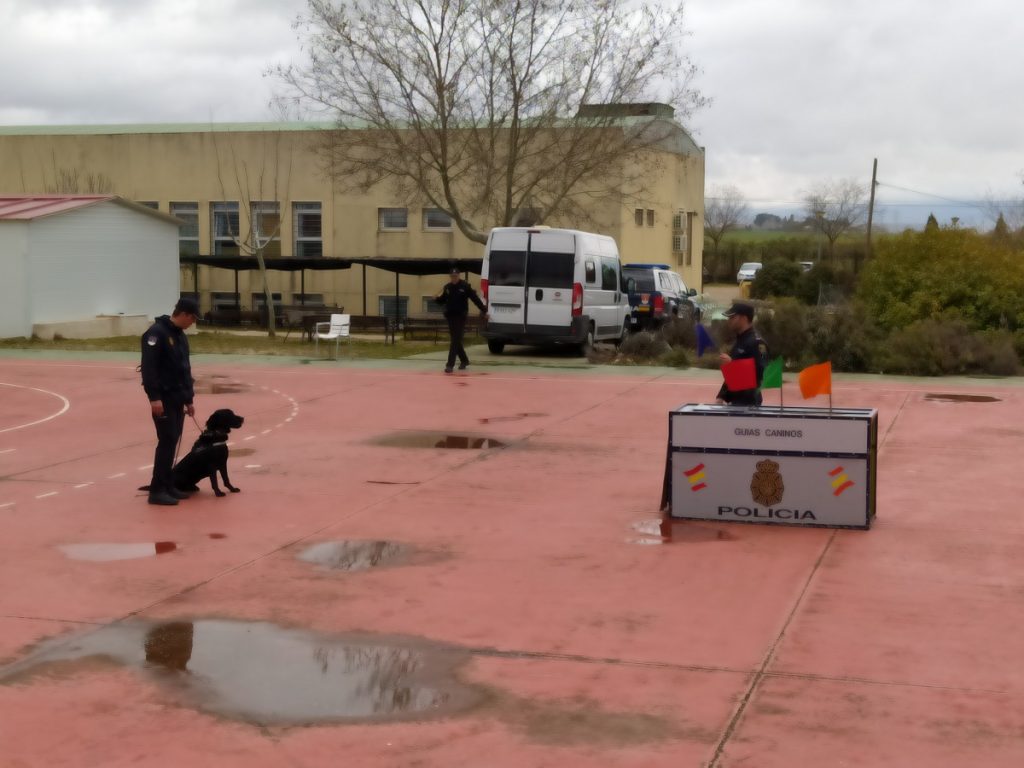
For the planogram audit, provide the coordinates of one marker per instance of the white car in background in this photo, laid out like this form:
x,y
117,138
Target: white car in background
x,y
748,271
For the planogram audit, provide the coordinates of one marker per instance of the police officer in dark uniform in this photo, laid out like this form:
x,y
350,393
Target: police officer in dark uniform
x,y
455,298
167,379
748,344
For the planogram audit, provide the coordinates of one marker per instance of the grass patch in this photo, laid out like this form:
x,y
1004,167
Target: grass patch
x,y
223,343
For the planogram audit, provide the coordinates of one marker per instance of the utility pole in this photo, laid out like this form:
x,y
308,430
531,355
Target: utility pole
x,y
871,207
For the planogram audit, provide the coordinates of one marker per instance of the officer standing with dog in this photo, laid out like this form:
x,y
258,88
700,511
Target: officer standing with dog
x,y
455,298
167,380
740,317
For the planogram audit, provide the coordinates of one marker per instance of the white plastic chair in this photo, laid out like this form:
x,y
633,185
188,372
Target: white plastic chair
x,y
336,330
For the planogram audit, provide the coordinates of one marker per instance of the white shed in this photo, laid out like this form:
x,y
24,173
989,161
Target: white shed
x,y
84,265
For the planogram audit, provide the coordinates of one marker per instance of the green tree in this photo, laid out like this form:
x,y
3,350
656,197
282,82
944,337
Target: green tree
x,y
494,109
777,277
1001,233
932,225
922,275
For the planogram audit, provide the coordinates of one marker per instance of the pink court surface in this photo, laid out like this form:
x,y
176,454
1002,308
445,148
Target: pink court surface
x,y
430,570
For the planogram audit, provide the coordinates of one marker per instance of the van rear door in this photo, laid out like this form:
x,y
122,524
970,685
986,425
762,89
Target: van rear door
x,y
506,278
549,281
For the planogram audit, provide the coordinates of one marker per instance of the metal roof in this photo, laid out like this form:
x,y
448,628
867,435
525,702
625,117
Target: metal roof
x,y
30,207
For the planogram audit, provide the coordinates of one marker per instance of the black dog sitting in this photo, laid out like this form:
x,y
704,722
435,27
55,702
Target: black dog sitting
x,y
209,454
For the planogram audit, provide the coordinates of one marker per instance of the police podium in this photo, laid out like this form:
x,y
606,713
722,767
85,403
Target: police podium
x,y
781,466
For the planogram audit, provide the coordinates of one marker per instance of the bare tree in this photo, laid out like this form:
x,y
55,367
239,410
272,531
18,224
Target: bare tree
x,y
724,209
75,181
836,207
262,185
493,110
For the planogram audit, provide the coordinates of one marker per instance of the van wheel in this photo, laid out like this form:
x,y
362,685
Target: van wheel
x,y
496,347
588,342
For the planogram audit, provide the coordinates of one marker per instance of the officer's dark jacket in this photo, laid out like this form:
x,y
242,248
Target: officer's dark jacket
x,y
166,372
748,344
456,297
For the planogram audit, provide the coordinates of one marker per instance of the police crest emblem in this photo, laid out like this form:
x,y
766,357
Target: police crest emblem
x,y
766,486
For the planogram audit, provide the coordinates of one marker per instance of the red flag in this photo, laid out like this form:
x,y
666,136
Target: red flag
x,y
816,380
740,374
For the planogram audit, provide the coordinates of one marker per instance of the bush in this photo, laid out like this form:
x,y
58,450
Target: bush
x,y
784,327
643,347
845,335
679,332
825,284
946,345
919,276
675,358
776,278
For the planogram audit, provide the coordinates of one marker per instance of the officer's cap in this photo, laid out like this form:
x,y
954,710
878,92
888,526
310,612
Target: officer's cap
x,y
454,270
186,305
741,308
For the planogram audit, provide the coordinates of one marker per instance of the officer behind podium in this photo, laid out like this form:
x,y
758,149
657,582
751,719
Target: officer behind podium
x,y
747,345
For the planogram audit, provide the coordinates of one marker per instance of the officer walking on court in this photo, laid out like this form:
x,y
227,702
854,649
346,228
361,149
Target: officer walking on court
x,y
167,379
455,298
747,345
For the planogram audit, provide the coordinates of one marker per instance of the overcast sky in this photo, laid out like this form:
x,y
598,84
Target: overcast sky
x,y
803,90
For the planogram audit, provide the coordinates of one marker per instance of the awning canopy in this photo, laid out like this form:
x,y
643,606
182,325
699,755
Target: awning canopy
x,y
403,266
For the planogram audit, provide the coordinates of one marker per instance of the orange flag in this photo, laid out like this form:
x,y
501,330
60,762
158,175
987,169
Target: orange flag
x,y
816,380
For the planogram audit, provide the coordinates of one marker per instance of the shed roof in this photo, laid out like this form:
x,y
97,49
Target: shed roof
x,y
30,207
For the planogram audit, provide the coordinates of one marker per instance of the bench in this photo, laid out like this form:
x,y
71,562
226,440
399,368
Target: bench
x,y
435,327
374,324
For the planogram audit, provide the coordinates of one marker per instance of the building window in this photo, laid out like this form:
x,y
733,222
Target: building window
x,y
308,299
638,217
150,204
677,243
266,228
650,218
188,232
224,229
677,220
224,300
309,240
431,307
435,218
259,300
392,219
386,306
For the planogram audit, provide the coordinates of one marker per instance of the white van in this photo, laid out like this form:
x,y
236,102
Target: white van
x,y
552,286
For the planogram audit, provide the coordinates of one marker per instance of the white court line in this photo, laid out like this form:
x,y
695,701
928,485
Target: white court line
x,y
143,469
289,420
83,485
253,466
278,426
65,409
251,437
114,477
7,504
47,495
8,450
265,432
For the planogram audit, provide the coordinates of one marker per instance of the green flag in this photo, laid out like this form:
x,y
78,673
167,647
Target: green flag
x,y
772,375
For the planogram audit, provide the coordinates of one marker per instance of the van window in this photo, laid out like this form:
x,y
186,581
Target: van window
x,y
551,270
643,279
609,274
591,272
507,268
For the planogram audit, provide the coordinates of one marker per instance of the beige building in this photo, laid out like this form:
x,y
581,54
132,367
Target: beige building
x,y
234,183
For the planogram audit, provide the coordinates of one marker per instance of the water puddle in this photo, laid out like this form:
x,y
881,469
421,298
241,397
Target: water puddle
x,y
665,530
516,417
356,555
958,398
409,439
241,451
269,675
102,553
217,535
